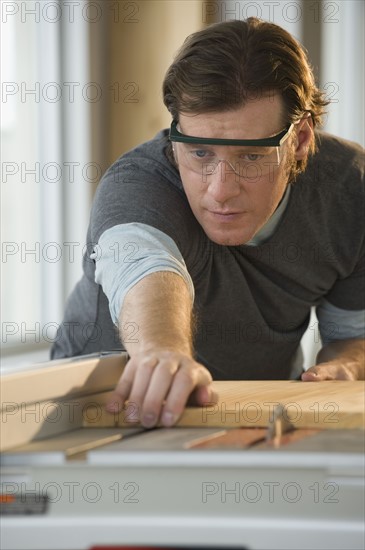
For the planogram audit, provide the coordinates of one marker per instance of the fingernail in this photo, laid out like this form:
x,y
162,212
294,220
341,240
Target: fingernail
x,y
168,419
149,420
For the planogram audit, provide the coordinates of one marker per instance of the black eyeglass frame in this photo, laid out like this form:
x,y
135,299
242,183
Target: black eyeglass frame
x,y
274,141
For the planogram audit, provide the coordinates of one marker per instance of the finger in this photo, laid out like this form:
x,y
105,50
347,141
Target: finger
x,y
332,370
122,390
159,387
203,395
310,376
186,379
320,373
141,384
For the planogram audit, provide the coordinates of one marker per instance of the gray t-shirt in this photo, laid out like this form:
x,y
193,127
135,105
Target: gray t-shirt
x,y
252,302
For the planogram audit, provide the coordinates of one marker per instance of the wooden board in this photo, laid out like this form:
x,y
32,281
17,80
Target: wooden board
x,y
59,397
52,397
329,405
59,379
22,423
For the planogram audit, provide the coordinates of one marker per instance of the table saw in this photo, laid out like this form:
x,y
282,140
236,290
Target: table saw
x,y
274,464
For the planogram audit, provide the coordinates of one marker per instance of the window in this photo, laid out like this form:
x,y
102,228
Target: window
x,y
47,173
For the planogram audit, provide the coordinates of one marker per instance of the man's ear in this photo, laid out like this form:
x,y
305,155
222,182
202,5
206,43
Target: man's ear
x,y
304,138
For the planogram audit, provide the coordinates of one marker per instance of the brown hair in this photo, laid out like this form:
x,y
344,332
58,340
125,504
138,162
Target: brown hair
x,y
226,64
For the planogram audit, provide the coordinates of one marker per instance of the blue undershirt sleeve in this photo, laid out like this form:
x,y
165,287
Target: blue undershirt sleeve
x,y
127,253
339,324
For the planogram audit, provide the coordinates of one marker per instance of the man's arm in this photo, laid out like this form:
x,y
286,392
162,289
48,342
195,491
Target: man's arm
x,y
156,329
341,360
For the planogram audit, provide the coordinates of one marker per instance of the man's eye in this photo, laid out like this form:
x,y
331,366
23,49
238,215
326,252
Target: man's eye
x,y
253,157
200,154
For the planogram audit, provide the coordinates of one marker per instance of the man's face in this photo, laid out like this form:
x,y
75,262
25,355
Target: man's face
x,y
232,208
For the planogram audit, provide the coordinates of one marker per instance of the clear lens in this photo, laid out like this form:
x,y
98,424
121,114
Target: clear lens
x,y
248,163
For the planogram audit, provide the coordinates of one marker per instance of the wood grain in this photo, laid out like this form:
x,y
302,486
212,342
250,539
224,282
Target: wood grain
x,y
329,404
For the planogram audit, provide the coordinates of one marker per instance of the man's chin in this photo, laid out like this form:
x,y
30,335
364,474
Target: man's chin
x,y
230,243
227,238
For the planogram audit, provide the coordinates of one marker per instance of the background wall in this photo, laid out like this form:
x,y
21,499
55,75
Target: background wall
x,y
139,40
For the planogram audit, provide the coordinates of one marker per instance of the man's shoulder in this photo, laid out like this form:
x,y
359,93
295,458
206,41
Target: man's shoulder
x,y
145,165
338,148
147,153
337,166
153,146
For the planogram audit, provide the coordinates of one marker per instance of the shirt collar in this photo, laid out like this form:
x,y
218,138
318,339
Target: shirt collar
x,y
270,226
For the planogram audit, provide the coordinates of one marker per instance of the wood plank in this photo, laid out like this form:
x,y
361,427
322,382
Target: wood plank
x,y
25,422
60,379
329,404
53,397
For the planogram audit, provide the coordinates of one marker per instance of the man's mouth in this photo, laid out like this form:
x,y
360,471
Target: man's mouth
x,y
226,215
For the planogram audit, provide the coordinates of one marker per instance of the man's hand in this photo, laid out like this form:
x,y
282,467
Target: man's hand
x,y
161,374
332,370
342,360
159,384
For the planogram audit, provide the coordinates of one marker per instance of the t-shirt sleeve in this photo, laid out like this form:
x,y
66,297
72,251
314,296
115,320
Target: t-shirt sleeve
x,y
129,252
141,223
339,324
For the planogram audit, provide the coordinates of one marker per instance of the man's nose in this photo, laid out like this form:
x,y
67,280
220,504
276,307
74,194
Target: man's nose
x,y
224,183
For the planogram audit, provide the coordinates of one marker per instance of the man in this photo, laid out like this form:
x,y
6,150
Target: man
x,y
209,245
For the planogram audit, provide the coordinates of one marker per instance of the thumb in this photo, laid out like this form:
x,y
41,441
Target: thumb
x,y
314,374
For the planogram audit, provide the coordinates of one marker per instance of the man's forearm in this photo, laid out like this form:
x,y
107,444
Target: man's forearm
x,y
350,354
157,313
161,374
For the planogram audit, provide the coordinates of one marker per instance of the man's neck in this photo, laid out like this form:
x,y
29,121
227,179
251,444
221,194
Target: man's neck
x,y
270,226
